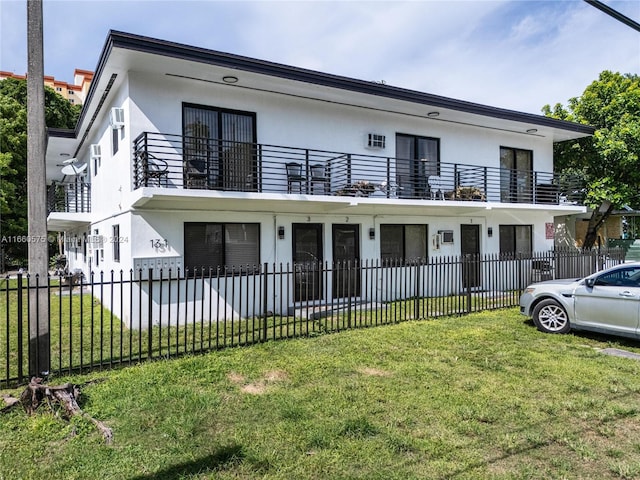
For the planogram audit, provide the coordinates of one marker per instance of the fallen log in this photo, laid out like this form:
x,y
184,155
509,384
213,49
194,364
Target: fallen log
x,y
66,396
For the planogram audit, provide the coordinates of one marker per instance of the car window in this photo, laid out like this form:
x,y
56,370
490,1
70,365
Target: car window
x,y
624,277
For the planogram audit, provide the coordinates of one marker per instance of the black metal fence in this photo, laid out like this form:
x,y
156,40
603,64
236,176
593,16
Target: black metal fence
x,y
112,319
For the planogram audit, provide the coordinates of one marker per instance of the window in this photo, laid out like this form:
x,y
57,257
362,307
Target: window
x,y
115,132
220,245
417,158
516,239
219,148
96,242
516,175
115,240
624,277
403,242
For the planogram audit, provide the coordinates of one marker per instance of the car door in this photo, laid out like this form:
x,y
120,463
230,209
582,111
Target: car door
x,y
610,302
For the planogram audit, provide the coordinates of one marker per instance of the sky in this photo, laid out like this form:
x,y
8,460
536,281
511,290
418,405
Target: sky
x,y
515,54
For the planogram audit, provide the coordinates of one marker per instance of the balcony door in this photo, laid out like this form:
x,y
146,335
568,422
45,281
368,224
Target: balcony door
x,y
219,148
516,175
417,158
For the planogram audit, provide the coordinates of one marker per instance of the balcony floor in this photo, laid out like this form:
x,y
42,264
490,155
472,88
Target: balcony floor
x,y
153,198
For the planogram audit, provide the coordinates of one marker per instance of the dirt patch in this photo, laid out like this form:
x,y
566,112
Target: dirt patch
x,y
236,378
259,386
374,372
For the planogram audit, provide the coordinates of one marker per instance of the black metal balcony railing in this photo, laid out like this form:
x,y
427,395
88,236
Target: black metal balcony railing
x,y
69,197
175,161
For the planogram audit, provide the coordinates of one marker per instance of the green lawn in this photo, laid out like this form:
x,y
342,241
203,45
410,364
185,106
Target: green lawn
x,y
480,396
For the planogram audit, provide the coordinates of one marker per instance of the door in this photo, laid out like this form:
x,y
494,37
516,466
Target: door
x,y
612,303
307,261
417,158
470,250
219,148
346,261
516,182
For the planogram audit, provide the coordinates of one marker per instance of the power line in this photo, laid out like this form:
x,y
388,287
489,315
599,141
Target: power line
x,y
615,14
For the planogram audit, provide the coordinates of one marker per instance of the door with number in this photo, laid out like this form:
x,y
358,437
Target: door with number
x,y
346,261
307,261
470,250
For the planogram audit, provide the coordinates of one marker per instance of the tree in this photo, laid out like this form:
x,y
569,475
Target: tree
x,y
609,161
59,113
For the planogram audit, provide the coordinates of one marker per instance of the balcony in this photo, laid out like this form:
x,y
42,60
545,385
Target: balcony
x,y
182,162
69,197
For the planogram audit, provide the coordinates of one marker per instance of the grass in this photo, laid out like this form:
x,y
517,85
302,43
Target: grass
x,y
482,396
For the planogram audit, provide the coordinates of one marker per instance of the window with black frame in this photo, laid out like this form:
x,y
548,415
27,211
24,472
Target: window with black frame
x,y
516,175
224,247
115,241
516,239
219,148
403,242
417,159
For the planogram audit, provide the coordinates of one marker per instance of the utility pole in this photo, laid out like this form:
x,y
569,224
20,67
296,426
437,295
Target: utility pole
x,y
39,341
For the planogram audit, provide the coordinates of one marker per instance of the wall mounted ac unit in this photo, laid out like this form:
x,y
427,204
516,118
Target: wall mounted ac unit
x,y
116,118
95,152
376,141
446,236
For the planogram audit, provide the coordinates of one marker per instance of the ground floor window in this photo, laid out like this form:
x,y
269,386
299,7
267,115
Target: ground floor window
x,y
221,245
403,242
516,239
115,240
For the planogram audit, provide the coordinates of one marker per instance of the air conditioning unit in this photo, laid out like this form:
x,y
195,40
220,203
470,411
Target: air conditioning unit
x,y
95,152
376,141
446,236
116,118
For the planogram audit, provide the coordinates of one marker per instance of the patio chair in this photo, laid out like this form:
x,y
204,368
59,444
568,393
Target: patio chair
x,y
157,172
320,175
294,176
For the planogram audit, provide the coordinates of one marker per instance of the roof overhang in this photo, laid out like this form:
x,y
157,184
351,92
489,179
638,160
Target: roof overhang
x,y
64,222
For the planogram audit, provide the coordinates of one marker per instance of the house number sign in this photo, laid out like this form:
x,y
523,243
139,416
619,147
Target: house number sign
x,y
160,243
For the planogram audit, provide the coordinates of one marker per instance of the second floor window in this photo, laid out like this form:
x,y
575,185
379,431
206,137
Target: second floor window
x,y
516,175
219,150
417,159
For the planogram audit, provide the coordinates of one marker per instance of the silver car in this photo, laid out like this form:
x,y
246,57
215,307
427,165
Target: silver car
x,y
605,302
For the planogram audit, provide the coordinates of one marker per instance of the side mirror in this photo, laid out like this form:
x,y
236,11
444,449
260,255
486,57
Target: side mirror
x,y
590,282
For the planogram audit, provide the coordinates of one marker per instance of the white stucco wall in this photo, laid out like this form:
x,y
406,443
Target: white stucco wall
x,y
156,105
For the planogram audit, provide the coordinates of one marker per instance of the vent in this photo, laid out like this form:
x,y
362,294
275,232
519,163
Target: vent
x,y
95,152
376,141
116,118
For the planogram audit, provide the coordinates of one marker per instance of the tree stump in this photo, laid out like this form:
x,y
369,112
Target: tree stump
x,y
66,396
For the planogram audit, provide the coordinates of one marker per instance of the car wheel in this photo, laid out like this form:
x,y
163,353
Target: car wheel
x,y
550,317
